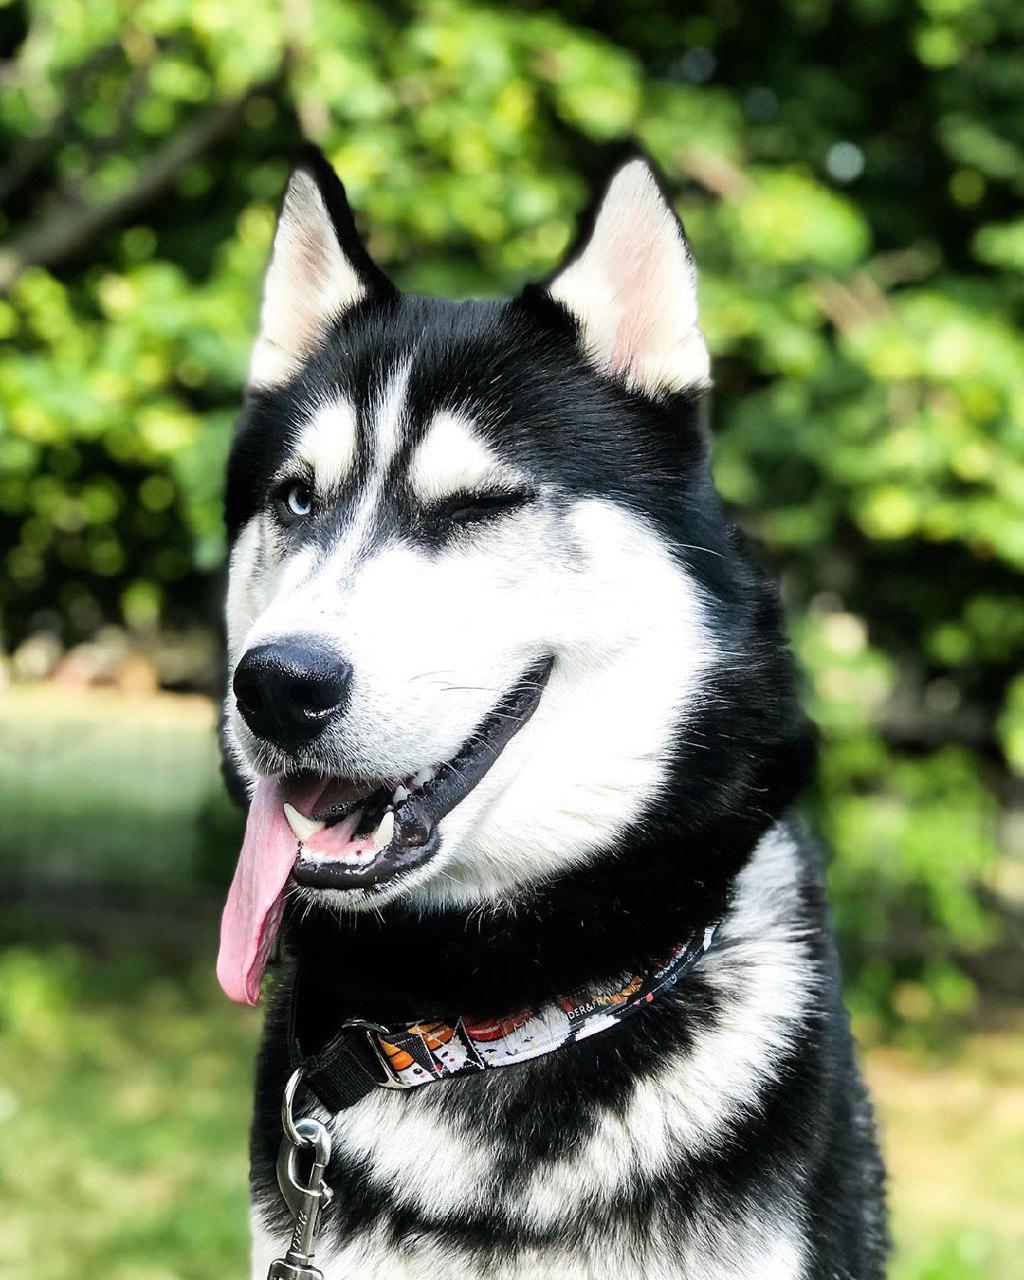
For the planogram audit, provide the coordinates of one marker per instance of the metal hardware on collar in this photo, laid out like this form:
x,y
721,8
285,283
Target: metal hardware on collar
x,y
305,1197
374,1029
291,1130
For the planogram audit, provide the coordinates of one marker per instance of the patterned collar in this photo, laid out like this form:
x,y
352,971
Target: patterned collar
x,y
366,1055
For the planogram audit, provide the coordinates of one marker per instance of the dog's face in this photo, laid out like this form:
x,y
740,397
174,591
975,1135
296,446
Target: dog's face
x,y
463,636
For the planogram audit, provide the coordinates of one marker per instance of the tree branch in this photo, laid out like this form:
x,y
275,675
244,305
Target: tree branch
x,y
68,228
34,151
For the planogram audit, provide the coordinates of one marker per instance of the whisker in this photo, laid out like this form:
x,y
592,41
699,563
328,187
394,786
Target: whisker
x,y
689,546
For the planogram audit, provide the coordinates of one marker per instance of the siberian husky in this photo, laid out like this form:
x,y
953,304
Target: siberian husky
x,y
513,714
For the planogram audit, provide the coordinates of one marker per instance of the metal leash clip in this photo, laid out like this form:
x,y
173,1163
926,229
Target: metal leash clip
x,y
306,1195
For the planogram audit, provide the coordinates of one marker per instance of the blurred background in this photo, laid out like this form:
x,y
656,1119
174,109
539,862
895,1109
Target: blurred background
x,y
851,173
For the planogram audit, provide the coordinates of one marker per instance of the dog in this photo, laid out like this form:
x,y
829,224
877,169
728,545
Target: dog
x,y
511,707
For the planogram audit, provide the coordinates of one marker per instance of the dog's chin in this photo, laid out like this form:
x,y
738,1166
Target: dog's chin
x,y
361,843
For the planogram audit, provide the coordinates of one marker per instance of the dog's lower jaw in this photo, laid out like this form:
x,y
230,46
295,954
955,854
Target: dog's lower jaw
x,y
695,1145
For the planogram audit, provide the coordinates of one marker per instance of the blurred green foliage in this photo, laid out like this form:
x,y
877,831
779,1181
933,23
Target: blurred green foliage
x,y
851,174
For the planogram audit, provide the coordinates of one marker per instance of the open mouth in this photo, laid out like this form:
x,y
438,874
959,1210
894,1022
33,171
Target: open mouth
x,y
343,834
355,836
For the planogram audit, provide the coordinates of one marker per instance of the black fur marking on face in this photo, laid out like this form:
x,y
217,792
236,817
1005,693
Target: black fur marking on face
x,y
515,369
468,510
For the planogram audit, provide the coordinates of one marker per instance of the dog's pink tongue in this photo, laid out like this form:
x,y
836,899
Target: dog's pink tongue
x,y
255,902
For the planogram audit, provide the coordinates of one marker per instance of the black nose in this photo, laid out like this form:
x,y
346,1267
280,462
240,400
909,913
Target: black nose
x,y
288,691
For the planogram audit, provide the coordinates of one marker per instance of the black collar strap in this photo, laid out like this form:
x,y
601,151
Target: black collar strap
x,y
364,1056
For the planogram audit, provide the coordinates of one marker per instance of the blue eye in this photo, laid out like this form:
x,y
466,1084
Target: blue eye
x,y
295,501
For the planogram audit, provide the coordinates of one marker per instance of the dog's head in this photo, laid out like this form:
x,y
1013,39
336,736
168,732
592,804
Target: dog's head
x,y
479,580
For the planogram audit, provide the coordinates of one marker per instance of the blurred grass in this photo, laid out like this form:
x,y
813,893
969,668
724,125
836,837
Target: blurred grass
x,y
124,1108
953,1130
103,787
106,789
124,1101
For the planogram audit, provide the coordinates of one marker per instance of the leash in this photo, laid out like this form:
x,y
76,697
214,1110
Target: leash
x,y
365,1055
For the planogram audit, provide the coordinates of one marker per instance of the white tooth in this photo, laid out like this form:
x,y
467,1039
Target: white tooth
x,y
302,826
401,793
423,777
385,831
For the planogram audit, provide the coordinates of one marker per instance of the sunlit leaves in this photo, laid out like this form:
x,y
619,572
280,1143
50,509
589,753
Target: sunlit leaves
x,y
786,218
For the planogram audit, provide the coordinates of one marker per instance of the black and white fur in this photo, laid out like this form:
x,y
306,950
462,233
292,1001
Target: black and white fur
x,y
722,1134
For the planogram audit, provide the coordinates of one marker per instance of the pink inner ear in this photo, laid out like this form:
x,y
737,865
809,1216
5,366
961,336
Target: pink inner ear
x,y
636,277
633,289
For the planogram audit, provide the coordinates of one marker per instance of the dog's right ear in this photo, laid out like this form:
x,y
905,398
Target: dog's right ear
x,y
318,269
631,286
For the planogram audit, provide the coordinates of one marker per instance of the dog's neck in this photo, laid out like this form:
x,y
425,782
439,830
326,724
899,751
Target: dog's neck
x,y
585,929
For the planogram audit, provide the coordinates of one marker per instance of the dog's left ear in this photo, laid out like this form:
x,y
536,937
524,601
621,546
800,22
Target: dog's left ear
x,y
631,286
318,269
